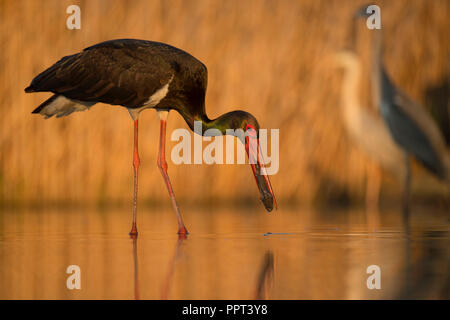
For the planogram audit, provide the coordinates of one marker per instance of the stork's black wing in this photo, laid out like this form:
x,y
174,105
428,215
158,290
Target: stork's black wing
x,y
120,72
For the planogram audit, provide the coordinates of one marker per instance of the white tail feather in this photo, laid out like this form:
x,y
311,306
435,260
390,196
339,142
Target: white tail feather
x,y
62,106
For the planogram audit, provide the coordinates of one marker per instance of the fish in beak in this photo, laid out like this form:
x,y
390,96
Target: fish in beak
x,y
262,179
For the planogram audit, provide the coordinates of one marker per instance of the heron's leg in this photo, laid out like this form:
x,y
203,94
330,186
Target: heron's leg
x,y
373,195
136,162
407,189
373,187
162,165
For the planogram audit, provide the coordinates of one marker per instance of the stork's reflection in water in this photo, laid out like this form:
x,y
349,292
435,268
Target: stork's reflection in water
x,y
262,284
171,268
167,284
265,277
136,268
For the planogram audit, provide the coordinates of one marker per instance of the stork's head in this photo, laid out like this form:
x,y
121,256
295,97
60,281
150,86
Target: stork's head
x,y
246,128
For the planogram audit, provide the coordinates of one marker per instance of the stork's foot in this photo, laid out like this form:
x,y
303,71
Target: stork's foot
x,y
183,231
133,233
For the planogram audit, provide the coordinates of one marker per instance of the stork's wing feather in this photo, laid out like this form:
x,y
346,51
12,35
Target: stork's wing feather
x,y
120,75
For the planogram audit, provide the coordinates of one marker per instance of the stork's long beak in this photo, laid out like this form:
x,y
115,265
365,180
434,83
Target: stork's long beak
x,y
262,179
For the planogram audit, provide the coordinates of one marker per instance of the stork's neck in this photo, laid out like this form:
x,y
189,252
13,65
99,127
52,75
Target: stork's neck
x,y
206,124
231,120
220,124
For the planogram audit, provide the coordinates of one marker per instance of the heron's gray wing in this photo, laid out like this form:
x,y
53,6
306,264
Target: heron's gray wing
x,y
125,76
414,129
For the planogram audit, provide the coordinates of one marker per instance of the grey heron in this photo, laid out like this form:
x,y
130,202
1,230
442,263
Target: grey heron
x,y
411,127
366,130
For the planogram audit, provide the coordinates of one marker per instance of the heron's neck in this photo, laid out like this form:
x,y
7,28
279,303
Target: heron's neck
x,y
351,80
377,65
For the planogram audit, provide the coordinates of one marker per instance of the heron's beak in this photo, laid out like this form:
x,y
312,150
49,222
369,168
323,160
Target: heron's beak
x,y
262,179
361,12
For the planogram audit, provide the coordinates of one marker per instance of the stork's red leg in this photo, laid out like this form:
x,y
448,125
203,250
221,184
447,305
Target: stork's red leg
x,y
136,162
162,165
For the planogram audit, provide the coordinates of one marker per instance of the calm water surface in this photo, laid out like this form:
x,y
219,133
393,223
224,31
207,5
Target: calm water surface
x,y
230,254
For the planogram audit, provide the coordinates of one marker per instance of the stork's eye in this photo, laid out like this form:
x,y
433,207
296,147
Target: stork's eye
x,y
250,130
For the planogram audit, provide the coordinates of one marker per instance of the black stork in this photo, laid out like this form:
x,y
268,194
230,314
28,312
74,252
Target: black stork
x,y
410,126
138,75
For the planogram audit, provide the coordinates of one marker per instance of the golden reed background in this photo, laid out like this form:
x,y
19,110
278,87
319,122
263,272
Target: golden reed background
x,y
271,58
